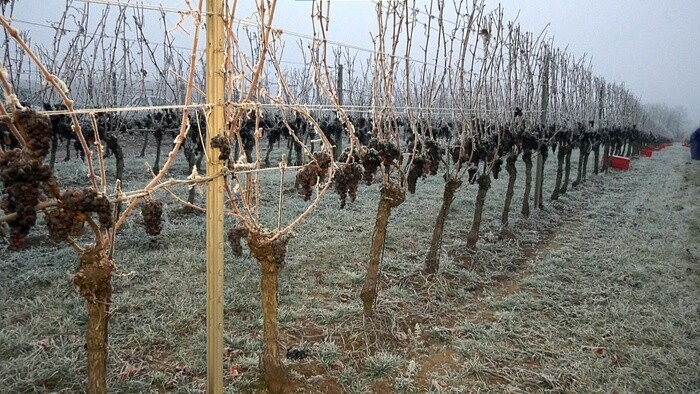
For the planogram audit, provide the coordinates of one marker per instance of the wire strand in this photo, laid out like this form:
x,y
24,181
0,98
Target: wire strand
x,y
142,5
312,107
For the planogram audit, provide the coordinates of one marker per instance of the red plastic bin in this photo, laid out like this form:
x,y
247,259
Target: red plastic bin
x,y
646,152
620,162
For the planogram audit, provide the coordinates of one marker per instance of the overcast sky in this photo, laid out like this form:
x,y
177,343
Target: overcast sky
x,y
652,46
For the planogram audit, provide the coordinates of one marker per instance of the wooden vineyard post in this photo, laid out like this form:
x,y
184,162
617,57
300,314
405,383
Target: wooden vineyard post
x,y
215,199
539,172
339,85
339,94
601,116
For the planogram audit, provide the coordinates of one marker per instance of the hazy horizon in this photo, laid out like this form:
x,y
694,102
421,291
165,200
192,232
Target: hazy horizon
x,y
650,46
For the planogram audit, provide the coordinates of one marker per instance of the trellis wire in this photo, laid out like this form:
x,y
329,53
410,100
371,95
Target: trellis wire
x,y
260,105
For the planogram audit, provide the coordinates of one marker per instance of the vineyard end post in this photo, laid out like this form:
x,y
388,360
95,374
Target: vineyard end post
x,y
215,198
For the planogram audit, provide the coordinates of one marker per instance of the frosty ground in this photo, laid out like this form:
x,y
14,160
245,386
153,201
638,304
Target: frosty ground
x,y
598,292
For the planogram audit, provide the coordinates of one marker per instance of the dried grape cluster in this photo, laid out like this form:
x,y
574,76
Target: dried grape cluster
x,y
544,151
347,178
310,174
75,207
419,168
297,354
221,143
387,150
152,212
370,163
38,131
89,201
378,152
459,157
434,153
323,160
472,172
234,238
497,167
280,248
528,140
25,178
63,223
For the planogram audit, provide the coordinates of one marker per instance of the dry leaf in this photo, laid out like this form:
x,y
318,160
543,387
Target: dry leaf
x,y
230,353
615,361
438,385
170,384
128,371
45,345
314,379
337,365
234,370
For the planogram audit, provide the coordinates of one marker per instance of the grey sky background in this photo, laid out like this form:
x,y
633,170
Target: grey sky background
x,y
652,46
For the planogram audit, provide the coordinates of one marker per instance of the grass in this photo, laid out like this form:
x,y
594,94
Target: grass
x,y
596,293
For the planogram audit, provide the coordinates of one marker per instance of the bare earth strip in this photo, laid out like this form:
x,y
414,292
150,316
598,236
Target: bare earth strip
x,y
618,291
611,302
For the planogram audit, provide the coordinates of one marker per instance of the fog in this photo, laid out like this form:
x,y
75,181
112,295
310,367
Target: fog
x,y
649,45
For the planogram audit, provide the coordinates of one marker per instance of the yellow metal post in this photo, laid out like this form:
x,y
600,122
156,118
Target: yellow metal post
x,y
215,199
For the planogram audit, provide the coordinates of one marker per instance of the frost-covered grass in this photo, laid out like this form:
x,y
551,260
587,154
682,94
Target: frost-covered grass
x,y
596,293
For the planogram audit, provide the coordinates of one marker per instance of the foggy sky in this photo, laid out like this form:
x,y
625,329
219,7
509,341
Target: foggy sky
x,y
652,46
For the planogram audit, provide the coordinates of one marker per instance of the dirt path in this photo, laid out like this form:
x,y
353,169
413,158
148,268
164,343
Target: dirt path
x,y
607,299
621,283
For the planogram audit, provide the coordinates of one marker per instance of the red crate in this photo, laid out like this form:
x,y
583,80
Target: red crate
x,y
646,152
620,162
